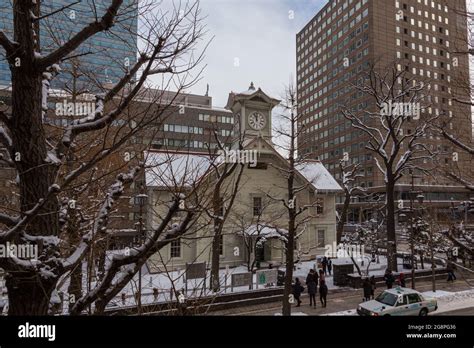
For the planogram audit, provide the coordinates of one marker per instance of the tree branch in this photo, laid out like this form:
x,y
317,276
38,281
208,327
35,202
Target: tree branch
x,y
7,44
106,22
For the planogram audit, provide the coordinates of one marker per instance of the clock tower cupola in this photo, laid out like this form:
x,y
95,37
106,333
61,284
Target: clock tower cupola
x,y
252,112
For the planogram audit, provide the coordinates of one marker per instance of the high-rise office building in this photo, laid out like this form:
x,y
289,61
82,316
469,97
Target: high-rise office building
x,y
347,36
104,58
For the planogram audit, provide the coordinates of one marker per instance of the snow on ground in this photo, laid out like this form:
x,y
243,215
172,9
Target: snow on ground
x,y
293,314
163,282
350,313
447,302
451,301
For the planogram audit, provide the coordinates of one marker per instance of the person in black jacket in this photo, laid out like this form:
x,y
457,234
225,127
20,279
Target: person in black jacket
x,y
311,283
367,289
389,278
373,285
297,290
323,289
329,266
450,270
324,263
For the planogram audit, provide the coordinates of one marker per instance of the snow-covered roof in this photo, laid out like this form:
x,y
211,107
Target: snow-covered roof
x,y
318,176
167,169
265,231
248,94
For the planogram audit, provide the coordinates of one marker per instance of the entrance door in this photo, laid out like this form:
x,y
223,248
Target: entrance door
x,y
260,253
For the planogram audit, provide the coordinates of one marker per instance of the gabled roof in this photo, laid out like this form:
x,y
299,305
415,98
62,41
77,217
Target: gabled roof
x,y
317,174
171,169
250,94
313,171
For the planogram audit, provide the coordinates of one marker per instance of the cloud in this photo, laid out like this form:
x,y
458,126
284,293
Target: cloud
x,y
253,40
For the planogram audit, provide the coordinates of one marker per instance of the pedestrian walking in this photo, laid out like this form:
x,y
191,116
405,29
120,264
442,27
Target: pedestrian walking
x,y
321,275
324,263
367,288
311,283
329,266
373,284
297,290
323,290
450,270
389,278
401,280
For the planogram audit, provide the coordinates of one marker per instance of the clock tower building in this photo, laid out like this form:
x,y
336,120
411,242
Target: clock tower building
x,y
252,113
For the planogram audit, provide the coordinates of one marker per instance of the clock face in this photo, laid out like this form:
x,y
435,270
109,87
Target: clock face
x,y
257,121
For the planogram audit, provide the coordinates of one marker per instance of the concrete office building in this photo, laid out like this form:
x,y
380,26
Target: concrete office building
x,y
343,39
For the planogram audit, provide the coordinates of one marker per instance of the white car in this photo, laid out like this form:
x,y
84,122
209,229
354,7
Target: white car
x,y
398,301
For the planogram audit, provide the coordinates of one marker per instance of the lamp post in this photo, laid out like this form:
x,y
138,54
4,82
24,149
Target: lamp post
x,y
140,200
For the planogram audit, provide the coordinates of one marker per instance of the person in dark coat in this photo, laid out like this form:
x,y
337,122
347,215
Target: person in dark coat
x,y
450,270
324,263
323,289
401,280
311,283
389,278
367,287
373,285
297,290
329,266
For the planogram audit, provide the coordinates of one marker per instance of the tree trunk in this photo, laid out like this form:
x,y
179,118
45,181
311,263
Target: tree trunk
x,y
343,218
215,261
75,286
356,266
391,231
28,294
216,240
289,264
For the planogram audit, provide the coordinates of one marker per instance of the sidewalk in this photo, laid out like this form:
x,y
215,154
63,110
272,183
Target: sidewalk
x,y
344,300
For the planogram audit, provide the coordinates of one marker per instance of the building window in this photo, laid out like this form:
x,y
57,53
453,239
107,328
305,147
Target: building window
x,y
257,206
320,207
175,248
321,238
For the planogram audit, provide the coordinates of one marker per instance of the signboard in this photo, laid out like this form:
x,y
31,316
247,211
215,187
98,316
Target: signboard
x,y
241,279
267,276
195,270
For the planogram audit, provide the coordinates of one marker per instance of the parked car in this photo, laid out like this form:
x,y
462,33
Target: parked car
x,y
398,301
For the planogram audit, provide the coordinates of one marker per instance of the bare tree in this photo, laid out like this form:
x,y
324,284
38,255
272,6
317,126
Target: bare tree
x,y
225,192
349,173
297,213
397,100
168,50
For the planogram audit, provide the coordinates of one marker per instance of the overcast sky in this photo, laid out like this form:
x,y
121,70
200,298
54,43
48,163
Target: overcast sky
x,y
260,36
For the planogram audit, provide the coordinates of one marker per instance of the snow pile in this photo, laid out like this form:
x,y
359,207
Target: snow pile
x,y
448,302
293,314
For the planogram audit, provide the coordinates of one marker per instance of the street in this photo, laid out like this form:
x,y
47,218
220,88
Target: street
x,y
346,300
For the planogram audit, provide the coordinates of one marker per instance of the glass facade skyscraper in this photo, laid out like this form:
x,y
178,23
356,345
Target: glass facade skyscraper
x,y
102,59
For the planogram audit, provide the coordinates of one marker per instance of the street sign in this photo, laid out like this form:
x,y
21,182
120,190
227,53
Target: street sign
x,y
195,270
241,279
267,276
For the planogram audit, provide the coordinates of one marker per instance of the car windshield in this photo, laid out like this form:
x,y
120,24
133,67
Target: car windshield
x,y
387,298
